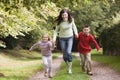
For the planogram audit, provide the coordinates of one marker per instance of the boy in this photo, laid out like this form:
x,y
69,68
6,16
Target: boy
x,y
84,48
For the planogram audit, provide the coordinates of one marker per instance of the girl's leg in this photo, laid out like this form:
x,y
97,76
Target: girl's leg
x,y
50,66
44,58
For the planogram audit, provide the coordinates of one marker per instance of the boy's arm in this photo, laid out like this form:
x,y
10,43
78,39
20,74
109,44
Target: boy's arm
x,y
94,42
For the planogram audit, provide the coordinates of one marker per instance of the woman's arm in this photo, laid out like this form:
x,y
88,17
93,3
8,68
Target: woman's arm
x,y
55,33
74,29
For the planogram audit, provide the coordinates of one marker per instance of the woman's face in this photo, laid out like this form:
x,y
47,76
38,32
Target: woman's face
x,y
65,15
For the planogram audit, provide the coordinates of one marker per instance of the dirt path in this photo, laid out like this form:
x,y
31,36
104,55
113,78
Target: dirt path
x,y
102,72
55,66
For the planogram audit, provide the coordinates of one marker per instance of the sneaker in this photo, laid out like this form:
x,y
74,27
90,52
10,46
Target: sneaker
x,y
45,74
90,73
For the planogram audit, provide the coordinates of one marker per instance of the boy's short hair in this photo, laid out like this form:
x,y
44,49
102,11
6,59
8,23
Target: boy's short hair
x,y
86,26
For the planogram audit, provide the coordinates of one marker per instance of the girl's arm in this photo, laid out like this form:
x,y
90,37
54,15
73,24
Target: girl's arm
x,y
34,46
50,45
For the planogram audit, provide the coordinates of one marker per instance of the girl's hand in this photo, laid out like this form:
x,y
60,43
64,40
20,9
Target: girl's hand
x,y
30,50
54,43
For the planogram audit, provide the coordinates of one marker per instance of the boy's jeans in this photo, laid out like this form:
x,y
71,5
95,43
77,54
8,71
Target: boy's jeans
x,y
86,61
66,45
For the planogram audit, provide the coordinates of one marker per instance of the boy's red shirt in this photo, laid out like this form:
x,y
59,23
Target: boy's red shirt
x,y
85,41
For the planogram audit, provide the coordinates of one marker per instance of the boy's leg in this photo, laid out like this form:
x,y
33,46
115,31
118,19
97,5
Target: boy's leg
x,y
82,56
88,63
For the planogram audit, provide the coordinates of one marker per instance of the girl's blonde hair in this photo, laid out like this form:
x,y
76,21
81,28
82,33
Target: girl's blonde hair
x,y
47,36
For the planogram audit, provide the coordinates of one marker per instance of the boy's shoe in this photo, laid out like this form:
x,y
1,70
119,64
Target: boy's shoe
x,y
90,73
45,74
83,69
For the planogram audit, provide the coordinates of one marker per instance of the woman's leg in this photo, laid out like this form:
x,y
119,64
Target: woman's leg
x,y
66,45
69,45
63,47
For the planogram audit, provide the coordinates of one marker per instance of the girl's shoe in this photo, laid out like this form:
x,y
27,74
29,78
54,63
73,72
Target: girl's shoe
x,y
45,74
50,76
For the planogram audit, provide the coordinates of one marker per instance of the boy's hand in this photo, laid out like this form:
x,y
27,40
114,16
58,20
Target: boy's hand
x,y
99,51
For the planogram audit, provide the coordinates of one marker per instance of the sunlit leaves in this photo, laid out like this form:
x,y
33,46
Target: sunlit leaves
x,y
116,19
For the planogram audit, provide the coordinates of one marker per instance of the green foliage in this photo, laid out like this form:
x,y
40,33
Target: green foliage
x,y
92,13
110,40
110,37
17,20
30,19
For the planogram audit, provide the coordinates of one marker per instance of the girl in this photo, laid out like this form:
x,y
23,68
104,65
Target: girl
x,y
46,51
65,27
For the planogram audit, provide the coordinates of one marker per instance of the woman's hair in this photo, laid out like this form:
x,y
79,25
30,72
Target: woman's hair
x,y
60,19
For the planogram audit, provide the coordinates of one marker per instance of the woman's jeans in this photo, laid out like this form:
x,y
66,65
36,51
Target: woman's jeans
x,y
66,46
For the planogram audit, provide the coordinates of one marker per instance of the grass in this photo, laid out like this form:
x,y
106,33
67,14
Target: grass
x,y
76,75
111,61
19,64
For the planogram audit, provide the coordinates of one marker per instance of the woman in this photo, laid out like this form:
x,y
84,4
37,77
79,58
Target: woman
x,y
65,27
